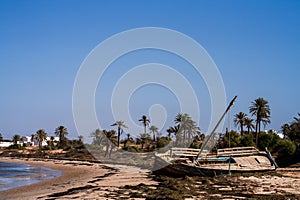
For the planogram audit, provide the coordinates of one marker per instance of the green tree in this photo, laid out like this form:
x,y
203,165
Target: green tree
x,y
41,135
80,138
249,124
1,137
285,147
260,108
187,128
128,139
51,142
239,119
16,139
111,141
162,142
61,132
174,130
144,139
154,131
98,137
285,129
145,122
268,140
247,140
294,134
120,125
33,138
181,120
235,140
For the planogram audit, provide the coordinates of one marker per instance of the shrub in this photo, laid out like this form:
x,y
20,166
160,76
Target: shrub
x,y
247,140
162,142
132,149
16,146
268,140
285,147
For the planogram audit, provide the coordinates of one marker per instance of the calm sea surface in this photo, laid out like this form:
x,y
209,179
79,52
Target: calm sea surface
x,y
13,175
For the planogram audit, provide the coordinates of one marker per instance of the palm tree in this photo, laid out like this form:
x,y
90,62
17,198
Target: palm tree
x,y
16,139
193,130
285,128
97,136
169,131
80,138
260,108
33,137
296,124
51,142
128,139
181,120
120,125
61,132
144,138
154,131
173,129
145,122
249,124
297,119
111,140
239,119
186,125
294,134
41,136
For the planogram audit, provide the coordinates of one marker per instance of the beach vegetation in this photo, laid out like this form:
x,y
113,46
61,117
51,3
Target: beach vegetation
x,y
40,137
61,132
154,131
162,142
239,119
248,122
285,147
172,130
144,139
186,129
128,141
121,126
261,110
145,122
16,138
132,149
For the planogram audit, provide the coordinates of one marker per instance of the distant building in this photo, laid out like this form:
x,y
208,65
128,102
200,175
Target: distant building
x,y
29,141
274,132
6,143
270,131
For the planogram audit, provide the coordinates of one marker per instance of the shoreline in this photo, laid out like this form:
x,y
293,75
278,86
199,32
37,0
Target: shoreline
x,y
79,179
89,180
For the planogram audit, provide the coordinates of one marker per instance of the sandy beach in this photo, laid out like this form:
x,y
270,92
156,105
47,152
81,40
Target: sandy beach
x,y
87,180
80,180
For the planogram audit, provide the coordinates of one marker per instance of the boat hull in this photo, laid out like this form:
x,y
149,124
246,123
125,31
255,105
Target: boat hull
x,y
185,167
180,169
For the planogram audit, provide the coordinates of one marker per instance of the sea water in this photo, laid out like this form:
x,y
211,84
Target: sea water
x,y
13,175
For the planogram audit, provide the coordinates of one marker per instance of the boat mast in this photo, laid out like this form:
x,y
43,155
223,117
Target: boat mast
x,y
215,128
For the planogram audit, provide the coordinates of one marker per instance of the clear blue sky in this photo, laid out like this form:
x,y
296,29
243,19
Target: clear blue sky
x,y
255,44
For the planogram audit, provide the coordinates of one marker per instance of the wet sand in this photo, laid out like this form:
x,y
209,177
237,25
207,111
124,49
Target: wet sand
x,y
80,180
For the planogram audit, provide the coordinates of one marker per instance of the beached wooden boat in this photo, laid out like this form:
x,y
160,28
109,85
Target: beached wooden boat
x,y
188,161
181,161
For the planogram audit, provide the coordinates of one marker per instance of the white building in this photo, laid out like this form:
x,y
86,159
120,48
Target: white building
x,y
29,141
6,143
